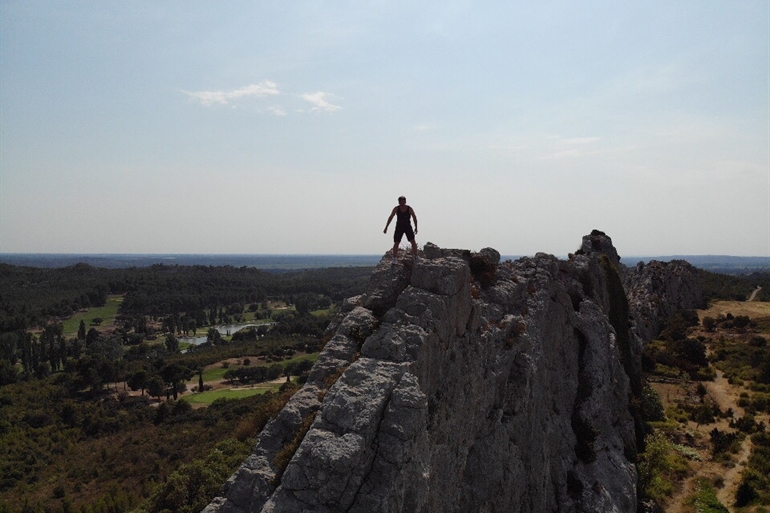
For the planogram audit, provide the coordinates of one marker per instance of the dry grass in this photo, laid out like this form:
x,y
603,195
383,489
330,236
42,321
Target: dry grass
x,y
753,309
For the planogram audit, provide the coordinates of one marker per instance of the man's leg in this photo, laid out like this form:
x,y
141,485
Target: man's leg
x,y
412,239
397,236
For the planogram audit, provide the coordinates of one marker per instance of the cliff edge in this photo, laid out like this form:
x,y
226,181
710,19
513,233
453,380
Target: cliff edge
x,y
457,383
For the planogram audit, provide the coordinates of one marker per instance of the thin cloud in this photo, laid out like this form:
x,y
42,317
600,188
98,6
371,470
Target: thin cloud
x,y
319,102
278,111
264,88
581,140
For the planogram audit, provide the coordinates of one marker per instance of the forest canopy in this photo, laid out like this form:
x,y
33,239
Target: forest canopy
x,y
31,297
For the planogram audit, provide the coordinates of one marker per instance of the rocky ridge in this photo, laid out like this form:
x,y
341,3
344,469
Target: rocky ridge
x,y
457,383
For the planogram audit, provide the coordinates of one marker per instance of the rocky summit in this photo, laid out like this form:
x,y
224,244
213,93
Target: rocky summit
x,y
459,383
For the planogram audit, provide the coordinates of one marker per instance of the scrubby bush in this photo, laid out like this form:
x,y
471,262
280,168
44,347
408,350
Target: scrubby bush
x,y
760,402
672,357
652,407
705,500
747,424
747,491
661,467
755,484
722,441
704,413
709,324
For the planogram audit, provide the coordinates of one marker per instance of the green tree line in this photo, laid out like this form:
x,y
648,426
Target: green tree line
x,y
31,297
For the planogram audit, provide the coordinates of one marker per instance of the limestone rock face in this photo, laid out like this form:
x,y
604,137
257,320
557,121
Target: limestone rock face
x,y
467,384
659,289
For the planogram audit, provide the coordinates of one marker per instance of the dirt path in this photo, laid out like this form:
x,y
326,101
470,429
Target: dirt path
x,y
726,396
754,294
732,477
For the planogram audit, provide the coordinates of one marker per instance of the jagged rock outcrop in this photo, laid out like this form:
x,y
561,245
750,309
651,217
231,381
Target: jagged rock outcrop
x,y
657,290
457,383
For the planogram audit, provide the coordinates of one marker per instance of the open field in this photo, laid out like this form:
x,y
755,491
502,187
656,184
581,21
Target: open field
x,y
753,309
107,313
217,371
209,397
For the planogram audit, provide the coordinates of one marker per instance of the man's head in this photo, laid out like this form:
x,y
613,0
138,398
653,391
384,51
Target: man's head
x,y
401,200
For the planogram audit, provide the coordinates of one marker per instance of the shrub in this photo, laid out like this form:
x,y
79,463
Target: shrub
x,y
703,414
760,453
705,500
741,321
661,467
746,424
192,486
652,407
759,402
721,441
747,491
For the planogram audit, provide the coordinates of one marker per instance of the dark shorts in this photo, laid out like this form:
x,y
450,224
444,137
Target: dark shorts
x,y
401,231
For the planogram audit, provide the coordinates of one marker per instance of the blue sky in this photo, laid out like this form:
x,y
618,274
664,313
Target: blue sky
x,y
292,127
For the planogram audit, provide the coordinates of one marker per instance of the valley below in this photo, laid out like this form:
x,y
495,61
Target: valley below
x,y
729,396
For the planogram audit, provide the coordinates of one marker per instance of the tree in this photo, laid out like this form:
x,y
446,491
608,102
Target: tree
x,y
288,370
230,375
213,336
8,373
274,371
691,350
139,380
172,343
174,375
91,372
108,348
155,386
91,336
652,407
764,370
82,330
29,354
303,366
302,304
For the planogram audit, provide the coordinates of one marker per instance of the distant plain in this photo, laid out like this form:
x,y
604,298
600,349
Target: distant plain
x,y
283,263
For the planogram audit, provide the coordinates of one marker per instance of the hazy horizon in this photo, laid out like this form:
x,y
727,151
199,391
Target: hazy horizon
x,y
287,262
726,255
291,128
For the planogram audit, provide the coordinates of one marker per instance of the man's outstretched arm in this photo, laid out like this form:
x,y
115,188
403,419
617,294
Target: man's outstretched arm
x,y
393,213
414,216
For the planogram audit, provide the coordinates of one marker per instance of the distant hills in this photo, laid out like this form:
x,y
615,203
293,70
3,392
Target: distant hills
x,y
725,264
714,263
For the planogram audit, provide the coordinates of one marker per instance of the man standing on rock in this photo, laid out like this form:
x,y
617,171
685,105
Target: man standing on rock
x,y
403,226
